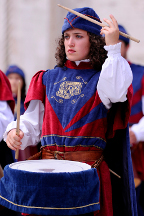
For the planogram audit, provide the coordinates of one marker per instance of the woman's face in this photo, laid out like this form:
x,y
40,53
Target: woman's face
x,y
14,80
77,45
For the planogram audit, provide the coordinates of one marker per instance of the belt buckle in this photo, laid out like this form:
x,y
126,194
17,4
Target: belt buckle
x,y
60,154
55,155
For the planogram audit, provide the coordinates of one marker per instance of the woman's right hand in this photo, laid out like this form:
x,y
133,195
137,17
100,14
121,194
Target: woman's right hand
x,y
13,140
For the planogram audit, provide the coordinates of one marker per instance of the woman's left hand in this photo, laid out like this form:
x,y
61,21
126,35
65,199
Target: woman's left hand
x,y
111,32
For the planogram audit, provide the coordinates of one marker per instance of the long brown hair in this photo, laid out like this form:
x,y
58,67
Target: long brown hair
x,y
97,54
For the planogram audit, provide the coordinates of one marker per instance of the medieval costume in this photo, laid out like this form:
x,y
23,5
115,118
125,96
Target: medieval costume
x,y
82,114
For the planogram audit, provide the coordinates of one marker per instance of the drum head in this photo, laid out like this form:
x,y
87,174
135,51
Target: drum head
x,y
50,166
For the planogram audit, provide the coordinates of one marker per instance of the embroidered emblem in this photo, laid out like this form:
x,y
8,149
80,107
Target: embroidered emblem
x,y
68,89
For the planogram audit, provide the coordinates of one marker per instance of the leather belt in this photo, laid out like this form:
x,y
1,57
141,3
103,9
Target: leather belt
x,y
81,156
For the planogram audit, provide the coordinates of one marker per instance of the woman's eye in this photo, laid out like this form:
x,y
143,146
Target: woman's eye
x,y
66,36
78,36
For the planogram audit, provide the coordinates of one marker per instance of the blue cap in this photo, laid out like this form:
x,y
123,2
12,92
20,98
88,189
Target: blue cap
x,y
74,21
122,29
15,69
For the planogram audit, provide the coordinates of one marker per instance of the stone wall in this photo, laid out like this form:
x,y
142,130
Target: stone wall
x,y
29,29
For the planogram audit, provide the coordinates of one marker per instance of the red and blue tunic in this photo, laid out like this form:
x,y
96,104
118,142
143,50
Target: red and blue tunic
x,y
75,119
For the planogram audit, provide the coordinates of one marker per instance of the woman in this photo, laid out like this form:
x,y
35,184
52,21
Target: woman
x,y
83,106
15,75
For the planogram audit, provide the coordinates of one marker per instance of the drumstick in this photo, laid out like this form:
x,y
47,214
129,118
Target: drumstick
x,y
1,172
96,22
18,116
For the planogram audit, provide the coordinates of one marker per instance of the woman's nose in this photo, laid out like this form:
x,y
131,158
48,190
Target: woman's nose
x,y
71,42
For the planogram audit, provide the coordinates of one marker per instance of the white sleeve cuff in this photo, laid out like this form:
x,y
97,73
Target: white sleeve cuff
x,y
113,49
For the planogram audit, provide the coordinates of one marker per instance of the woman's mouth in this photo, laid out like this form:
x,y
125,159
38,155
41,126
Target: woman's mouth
x,y
71,51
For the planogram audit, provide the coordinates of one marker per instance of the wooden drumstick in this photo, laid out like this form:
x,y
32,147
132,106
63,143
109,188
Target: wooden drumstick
x,y
18,116
1,172
96,22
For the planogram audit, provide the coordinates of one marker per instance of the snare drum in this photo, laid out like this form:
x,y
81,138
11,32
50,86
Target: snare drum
x,y
50,187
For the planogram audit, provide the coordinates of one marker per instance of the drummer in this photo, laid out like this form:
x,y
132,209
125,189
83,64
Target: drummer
x,y
6,116
81,108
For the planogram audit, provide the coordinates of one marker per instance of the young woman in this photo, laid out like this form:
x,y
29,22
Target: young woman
x,y
82,107
14,75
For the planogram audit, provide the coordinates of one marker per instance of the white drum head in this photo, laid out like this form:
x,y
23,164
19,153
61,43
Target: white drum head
x,y
50,166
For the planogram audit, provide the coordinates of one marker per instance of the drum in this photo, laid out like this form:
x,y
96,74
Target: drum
x,y
50,187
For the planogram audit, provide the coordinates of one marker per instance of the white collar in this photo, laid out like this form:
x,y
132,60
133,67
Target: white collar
x,y
78,62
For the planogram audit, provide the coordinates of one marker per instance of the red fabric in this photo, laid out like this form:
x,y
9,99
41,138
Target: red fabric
x,y
5,91
135,118
106,208
36,84
82,65
137,97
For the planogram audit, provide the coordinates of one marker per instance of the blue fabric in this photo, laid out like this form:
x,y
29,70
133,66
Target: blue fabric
x,y
73,21
122,29
60,83
50,193
138,74
15,69
67,90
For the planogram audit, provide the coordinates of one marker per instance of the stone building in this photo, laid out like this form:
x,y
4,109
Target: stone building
x,y
29,28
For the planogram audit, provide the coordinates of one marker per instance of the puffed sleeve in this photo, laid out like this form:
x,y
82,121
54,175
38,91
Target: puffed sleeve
x,y
115,77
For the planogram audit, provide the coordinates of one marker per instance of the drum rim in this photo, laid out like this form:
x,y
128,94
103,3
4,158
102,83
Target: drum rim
x,y
85,165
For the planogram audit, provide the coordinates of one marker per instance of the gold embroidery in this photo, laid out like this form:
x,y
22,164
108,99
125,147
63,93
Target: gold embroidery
x,y
74,101
79,77
59,101
48,207
68,89
60,80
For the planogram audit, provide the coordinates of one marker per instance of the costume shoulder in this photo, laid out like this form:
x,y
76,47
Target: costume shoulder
x,y
5,91
36,89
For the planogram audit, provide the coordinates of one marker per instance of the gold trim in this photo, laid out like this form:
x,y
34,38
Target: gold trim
x,y
48,207
74,137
